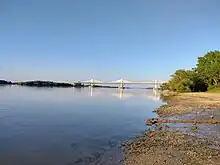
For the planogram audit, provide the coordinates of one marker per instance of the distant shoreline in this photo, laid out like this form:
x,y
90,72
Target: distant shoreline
x,y
38,83
41,84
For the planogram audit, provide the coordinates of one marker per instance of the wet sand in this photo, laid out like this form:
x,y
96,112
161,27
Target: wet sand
x,y
178,144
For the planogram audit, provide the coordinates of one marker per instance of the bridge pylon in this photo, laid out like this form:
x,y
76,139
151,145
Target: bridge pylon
x,y
121,85
156,85
92,82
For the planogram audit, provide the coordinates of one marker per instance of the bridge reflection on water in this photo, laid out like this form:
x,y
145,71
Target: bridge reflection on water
x,y
124,93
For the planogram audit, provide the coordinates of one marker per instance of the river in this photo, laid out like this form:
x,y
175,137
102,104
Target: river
x,y
68,126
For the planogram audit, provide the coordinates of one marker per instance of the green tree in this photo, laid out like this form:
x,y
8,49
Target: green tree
x,y
206,75
164,86
181,81
208,68
185,81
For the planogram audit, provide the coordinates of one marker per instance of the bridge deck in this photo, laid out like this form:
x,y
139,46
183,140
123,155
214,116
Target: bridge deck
x,y
119,82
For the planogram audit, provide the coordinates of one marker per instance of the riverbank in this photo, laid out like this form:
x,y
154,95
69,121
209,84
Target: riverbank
x,y
47,84
179,104
177,144
4,82
38,83
171,148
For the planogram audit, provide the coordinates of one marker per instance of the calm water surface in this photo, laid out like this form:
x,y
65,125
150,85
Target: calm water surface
x,y
67,126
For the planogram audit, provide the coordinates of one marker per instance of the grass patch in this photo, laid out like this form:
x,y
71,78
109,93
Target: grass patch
x,y
164,106
194,128
214,90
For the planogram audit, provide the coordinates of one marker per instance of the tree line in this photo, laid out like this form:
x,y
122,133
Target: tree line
x,y
42,84
205,76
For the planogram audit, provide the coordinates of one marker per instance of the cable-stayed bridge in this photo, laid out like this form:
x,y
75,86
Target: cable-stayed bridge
x,y
121,82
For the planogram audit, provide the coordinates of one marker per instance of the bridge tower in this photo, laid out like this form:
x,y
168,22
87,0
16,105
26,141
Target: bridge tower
x,y
121,85
92,82
155,85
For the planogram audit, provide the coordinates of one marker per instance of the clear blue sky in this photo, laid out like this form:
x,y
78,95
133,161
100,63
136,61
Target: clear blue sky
x,y
104,39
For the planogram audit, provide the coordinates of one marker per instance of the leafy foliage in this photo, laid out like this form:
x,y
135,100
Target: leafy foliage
x,y
181,81
208,68
205,76
45,84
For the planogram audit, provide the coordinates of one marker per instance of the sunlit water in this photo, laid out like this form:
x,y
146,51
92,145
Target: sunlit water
x,y
66,126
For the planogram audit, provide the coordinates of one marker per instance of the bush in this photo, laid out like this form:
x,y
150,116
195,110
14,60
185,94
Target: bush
x,y
206,75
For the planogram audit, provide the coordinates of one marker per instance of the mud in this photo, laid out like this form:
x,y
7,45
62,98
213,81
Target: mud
x,y
172,148
180,143
188,102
